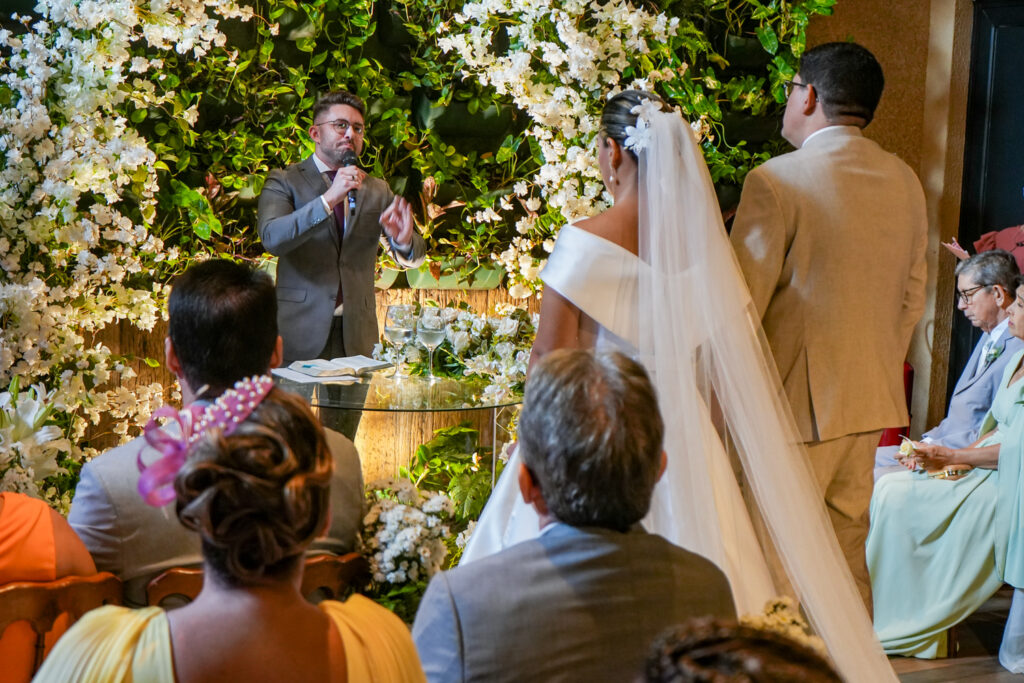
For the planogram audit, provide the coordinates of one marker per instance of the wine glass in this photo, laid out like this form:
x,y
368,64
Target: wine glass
x,y
430,333
399,328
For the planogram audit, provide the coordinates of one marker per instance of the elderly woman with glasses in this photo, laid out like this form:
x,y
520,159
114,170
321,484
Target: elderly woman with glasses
x,y
945,536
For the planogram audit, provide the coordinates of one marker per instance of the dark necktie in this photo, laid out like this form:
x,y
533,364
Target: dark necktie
x,y
339,210
339,222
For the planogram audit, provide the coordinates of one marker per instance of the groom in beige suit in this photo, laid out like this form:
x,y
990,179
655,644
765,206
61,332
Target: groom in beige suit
x,y
831,239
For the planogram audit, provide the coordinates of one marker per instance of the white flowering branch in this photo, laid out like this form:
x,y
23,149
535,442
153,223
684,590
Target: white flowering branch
x,y
564,58
77,185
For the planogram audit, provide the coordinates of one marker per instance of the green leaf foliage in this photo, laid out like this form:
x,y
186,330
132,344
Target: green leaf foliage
x,y
454,462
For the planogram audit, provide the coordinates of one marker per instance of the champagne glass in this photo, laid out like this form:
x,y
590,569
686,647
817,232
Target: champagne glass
x,y
399,328
430,332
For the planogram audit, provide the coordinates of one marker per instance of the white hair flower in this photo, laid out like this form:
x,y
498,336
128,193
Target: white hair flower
x,y
638,137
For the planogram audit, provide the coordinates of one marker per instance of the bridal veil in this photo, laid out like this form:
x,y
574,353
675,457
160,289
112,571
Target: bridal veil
x,y
725,410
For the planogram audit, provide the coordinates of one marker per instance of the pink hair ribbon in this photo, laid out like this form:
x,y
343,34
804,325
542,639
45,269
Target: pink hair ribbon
x,y
156,481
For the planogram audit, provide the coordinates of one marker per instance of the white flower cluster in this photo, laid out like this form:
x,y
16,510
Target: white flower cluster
x,y
28,445
463,538
495,347
782,616
565,57
404,532
638,137
77,186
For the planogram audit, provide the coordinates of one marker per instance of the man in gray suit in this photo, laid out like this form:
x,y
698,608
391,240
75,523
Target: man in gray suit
x,y
323,218
984,293
223,328
585,599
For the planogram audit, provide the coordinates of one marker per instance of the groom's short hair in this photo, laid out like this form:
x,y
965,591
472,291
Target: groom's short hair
x,y
847,78
591,434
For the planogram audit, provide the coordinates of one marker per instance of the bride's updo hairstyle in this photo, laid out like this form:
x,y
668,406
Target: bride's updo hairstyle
x,y
618,114
258,496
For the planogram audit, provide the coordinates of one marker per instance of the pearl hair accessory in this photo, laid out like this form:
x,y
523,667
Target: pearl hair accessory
x,y
226,412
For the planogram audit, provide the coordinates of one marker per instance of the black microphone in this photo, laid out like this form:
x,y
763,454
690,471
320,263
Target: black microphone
x,y
349,158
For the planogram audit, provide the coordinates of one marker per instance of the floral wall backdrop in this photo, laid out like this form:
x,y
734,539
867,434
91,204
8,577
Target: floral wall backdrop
x,y
78,187
135,137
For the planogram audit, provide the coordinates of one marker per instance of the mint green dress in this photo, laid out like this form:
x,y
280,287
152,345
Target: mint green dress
x,y
938,549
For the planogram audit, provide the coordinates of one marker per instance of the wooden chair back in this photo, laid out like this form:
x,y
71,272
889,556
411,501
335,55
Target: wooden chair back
x,y
41,602
328,575
333,575
180,581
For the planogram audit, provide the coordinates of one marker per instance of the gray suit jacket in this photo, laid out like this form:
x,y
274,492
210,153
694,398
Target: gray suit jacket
x,y
831,239
296,227
571,605
973,395
137,542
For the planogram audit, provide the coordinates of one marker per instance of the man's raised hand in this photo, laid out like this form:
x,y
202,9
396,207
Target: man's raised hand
x,y
397,222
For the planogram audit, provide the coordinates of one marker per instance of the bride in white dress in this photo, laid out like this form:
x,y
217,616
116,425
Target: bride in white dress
x,y
655,277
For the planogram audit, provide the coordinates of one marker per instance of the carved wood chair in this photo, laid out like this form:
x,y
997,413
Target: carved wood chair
x,y
177,581
333,575
329,576
41,602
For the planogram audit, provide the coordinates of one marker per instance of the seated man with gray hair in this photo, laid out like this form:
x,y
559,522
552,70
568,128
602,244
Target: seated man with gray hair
x,y
585,599
984,292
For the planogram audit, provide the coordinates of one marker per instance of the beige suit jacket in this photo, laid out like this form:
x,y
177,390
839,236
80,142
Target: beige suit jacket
x,y
831,239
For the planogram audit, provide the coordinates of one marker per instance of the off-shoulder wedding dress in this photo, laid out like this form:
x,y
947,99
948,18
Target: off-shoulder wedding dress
x,y
681,307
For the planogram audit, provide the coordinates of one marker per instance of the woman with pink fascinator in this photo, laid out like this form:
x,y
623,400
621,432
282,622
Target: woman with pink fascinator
x,y
250,474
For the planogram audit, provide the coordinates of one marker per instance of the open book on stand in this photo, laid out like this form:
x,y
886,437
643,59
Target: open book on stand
x,y
349,365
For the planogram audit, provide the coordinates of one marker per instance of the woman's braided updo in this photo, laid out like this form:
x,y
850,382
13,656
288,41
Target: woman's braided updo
x,y
258,496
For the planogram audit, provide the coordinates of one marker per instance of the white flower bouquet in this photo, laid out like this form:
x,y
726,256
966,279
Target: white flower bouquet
x,y
29,444
403,539
494,347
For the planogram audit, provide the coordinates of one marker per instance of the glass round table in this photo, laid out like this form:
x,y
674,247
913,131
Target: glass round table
x,y
407,393
389,417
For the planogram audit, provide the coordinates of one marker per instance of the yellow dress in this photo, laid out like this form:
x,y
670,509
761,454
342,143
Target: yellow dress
x,y
112,644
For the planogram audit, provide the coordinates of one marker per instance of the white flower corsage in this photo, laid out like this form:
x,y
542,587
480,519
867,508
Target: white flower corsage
x,y
637,136
993,353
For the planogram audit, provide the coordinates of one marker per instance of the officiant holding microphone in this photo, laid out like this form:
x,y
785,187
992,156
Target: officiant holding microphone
x,y
324,218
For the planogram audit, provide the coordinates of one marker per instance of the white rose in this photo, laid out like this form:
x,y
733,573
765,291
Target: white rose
x,y
507,327
459,340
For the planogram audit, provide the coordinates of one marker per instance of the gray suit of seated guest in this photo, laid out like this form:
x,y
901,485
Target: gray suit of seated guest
x,y
223,328
584,600
984,294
